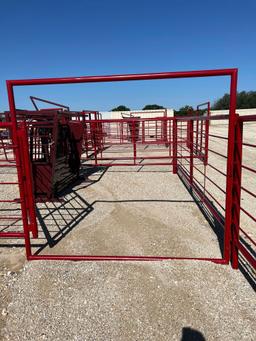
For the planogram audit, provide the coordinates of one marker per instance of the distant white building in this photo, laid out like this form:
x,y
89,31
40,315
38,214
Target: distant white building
x,y
138,113
241,112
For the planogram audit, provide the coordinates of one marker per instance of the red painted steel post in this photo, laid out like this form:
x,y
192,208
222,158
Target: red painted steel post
x,y
207,124
191,144
201,138
94,141
188,134
17,155
174,144
197,131
143,132
230,160
165,130
134,138
121,132
237,174
28,180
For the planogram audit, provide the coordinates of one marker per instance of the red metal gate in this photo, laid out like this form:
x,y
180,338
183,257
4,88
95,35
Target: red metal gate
x,y
130,142
182,143
17,206
243,239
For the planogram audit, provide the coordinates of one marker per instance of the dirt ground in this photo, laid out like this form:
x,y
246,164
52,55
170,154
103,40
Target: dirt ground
x,y
129,212
125,211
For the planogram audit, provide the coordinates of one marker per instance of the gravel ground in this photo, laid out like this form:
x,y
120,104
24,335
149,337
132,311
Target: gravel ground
x,y
130,301
131,211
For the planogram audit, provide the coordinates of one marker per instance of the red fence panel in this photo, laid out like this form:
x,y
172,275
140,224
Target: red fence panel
x,y
189,161
130,141
244,225
206,180
17,204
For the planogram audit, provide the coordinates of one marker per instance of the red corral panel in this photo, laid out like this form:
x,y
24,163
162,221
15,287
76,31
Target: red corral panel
x,y
54,140
130,141
244,220
17,213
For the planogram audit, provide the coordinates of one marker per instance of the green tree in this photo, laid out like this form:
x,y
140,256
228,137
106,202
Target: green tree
x,y
153,107
245,100
121,108
187,110
221,103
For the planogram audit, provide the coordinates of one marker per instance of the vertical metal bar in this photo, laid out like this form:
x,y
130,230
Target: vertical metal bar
x,y
17,156
174,143
28,180
201,138
100,129
188,133
230,160
237,173
94,142
134,142
143,131
86,139
191,141
207,124
53,150
197,130
165,130
121,132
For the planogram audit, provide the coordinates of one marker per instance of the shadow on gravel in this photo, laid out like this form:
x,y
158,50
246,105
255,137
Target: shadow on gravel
x,y
57,221
218,228
190,334
248,272
59,218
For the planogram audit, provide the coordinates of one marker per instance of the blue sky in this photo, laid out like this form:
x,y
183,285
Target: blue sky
x,y
75,38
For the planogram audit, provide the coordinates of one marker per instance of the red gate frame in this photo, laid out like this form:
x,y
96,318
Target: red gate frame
x,y
232,73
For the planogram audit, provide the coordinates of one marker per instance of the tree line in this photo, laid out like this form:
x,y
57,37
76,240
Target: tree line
x,y
146,107
245,100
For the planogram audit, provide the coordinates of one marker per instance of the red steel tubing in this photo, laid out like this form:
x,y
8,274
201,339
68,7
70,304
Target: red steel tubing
x,y
202,196
175,139
249,168
191,137
214,152
12,235
33,98
249,144
230,162
226,72
218,136
132,158
122,258
249,192
207,177
248,214
129,77
236,191
9,217
217,170
247,236
134,164
247,255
